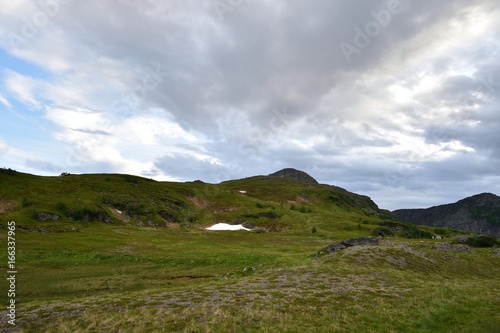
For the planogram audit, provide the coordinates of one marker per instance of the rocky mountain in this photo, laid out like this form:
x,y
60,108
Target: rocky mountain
x,y
479,213
294,175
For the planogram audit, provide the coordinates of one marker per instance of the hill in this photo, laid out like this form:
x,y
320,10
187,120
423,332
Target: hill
x,y
479,213
276,202
119,253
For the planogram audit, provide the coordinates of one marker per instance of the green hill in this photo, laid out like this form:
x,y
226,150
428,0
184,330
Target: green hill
x,y
119,253
269,202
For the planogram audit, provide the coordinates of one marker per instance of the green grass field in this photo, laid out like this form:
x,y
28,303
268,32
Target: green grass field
x,y
149,265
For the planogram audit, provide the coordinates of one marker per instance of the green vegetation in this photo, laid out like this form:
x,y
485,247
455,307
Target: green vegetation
x,y
406,230
481,241
490,214
151,266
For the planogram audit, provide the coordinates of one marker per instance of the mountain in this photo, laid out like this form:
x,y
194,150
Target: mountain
x,y
479,213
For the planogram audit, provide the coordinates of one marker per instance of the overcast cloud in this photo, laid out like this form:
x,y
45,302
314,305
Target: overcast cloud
x,y
398,100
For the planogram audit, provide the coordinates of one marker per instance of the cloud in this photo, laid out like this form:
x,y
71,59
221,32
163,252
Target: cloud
x,y
3,148
183,166
46,166
88,131
23,88
5,102
178,90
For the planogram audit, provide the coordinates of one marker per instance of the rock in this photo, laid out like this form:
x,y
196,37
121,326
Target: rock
x,y
361,241
449,247
332,248
461,248
294,175
45,216
102,216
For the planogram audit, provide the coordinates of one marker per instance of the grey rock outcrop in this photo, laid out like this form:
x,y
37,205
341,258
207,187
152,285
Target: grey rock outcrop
x,y
361,241
449,247
45,216
294,175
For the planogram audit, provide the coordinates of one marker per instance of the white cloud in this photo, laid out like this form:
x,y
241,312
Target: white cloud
x,y
5,102
23,88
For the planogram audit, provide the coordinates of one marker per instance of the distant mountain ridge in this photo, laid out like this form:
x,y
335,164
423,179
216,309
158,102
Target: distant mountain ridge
x,y
479,213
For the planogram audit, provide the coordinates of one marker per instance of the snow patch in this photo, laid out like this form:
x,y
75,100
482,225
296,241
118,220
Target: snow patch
x,y
225,226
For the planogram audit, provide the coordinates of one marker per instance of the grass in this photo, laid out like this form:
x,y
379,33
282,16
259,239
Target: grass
x,y
144,272
337,293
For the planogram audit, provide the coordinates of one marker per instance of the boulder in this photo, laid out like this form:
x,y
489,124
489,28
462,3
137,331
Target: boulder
x,y
361,241
449,247
45,216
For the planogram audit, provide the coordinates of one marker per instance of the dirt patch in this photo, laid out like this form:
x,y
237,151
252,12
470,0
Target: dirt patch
x,y
7,206
172,225
298,200
198,202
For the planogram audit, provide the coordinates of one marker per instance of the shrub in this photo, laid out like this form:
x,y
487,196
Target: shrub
x,y
412,231
441,231
313,230
61,206
270,215
169,216
136,209
481,241
382,231
259,205
25,202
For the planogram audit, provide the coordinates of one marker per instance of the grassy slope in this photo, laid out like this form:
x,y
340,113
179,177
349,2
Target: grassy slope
x,y
183,278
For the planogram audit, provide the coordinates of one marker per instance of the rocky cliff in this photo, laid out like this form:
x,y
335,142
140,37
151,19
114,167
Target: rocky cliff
x,y
479,213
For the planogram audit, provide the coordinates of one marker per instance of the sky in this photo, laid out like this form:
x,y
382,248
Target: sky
x,y
394,99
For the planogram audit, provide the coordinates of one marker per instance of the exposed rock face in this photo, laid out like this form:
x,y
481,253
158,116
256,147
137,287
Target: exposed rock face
x,y
294,175
361,241
45,216
449,247
479,213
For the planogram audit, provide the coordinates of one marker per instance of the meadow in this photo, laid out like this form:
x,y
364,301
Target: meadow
x,y
153,267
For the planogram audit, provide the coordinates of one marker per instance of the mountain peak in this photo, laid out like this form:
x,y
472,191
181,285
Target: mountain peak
x,y
482,198
294,175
